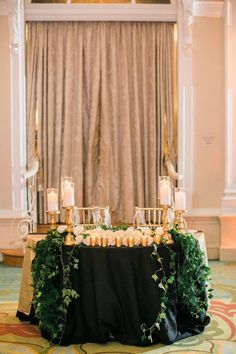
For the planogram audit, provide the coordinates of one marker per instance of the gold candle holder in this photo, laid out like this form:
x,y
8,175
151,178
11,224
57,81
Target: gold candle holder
x,y
130,241
93,241
53,218
69,238
104,241
166,226
179,221
144,241
118,241
157,239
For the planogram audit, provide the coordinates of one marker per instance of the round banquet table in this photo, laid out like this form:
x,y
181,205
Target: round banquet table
x,y
118,295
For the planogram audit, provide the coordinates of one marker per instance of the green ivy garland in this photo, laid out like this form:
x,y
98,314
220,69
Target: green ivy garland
x,y
50,302
193,277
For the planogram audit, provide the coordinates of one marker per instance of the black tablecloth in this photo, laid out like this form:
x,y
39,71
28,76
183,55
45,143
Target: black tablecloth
x,y
118,294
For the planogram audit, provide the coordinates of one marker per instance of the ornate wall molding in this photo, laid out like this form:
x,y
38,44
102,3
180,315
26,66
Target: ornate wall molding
x,y
14,24
14,9
187,6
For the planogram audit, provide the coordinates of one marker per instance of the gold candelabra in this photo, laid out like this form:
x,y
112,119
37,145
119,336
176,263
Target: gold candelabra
x,y
53,218
179,221
166,226
69,238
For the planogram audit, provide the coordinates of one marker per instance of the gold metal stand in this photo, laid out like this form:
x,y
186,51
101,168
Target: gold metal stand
x,y
166,226
69,238
53,219
179,221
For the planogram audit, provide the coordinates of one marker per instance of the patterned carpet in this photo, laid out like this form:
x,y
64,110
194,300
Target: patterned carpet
x,y
218,338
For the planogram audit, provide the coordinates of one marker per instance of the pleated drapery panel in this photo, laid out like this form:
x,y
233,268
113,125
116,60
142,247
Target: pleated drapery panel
x,y
103,90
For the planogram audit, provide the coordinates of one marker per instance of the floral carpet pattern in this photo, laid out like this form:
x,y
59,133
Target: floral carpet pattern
x,y
219,336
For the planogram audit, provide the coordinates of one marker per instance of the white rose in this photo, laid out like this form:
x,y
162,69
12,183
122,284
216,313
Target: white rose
x,y
97,232
119,233
109,233
88,232
137,233
78,230
78,239
100,231
150,240
61,228
159,230
146,231
130,232
86,241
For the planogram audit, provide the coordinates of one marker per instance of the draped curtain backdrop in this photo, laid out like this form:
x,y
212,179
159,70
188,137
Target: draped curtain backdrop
x,y
104,93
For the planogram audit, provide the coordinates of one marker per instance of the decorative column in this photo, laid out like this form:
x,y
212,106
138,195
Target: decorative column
x,y
228,206
14,210
185,89
18,125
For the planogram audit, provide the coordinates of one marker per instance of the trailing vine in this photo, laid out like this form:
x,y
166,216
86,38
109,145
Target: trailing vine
x,y
192,280
193,275
50,301
163,282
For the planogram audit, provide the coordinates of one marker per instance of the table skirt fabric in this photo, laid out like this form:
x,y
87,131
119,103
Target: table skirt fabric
x,y
118,295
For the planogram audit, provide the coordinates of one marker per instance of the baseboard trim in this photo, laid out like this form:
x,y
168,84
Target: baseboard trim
x,y
227,254
213,253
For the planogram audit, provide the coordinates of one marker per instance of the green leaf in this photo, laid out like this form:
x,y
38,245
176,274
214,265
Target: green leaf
x,y
161,286
155,277
171,279
162,316
163,305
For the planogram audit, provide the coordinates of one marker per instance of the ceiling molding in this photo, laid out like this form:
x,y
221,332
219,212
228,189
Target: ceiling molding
x,y
100,12
113,12
208,8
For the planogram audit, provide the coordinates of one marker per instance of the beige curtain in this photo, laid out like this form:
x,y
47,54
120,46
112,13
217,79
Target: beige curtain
x,y
104,92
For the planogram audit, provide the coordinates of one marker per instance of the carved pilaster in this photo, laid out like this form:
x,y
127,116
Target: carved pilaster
x,y
187,6
14,24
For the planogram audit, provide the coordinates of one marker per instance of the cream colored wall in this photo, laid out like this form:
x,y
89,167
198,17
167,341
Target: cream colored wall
x,y
208,83
5,130
208,133
233,81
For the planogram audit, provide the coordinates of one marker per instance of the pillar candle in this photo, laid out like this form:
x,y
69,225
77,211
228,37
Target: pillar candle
x,y
52,199
68,196
180,200
130,241
165,195
118,241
